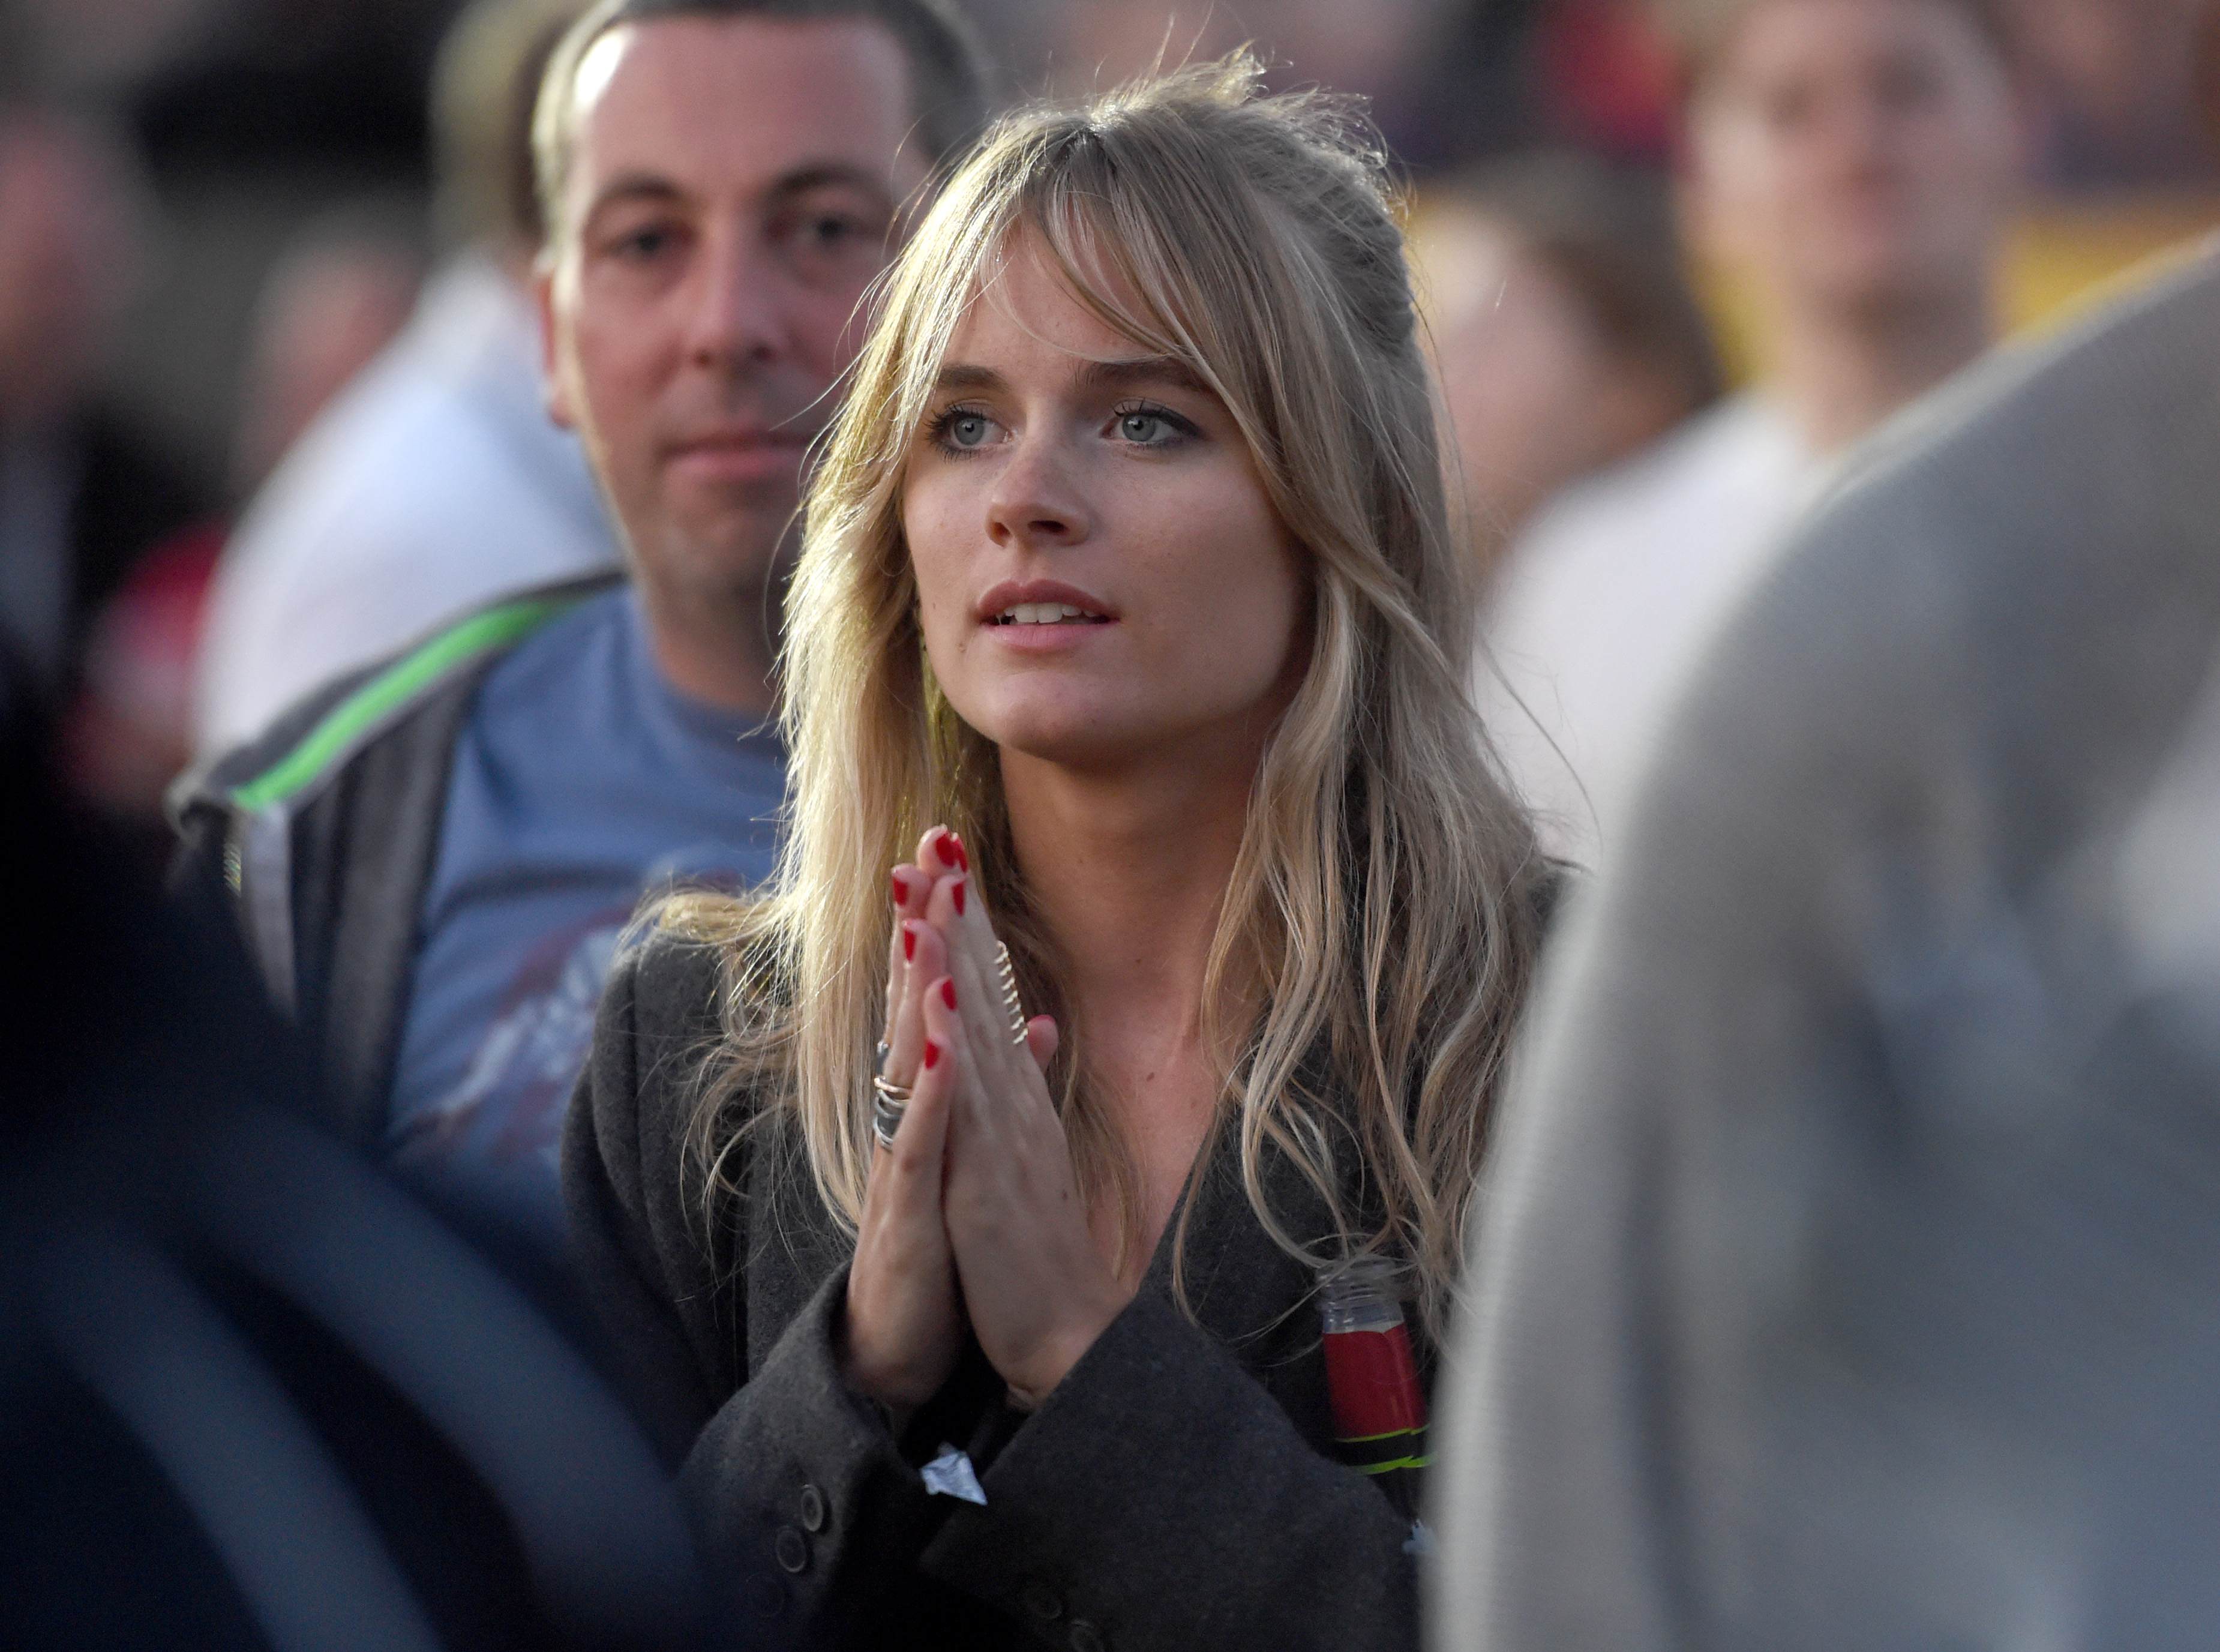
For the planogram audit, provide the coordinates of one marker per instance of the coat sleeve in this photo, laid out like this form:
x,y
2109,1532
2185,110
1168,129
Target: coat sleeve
x,y
1161,1499
802,1499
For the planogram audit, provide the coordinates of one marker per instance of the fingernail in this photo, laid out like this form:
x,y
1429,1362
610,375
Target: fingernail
x,y
948,994
909,943
902,892
957,843
931,1054
956,894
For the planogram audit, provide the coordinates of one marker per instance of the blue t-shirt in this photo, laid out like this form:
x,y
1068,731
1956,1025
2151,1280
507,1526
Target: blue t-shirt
x,y
582,781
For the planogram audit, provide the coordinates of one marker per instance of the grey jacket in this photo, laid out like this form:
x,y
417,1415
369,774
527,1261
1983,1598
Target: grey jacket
x,y
320,837
1173,1492
1851,1272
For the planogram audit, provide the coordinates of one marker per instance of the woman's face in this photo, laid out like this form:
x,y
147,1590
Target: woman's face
x,y
1101,580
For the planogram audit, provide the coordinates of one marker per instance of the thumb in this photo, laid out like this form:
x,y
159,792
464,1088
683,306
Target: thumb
x,y
1042,1038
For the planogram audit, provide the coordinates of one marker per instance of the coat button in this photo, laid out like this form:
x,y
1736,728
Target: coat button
x,y
813,1508
792,1550
1084,1638
1043,1602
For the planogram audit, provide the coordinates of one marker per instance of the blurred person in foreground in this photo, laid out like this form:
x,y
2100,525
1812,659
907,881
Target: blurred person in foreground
x,y
437,483
1850,1275
1564,333
252,1397
1856,161
1130,562
82,496
434,859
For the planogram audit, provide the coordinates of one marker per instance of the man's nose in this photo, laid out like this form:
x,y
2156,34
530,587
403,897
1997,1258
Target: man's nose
x,y
1036,501
735,314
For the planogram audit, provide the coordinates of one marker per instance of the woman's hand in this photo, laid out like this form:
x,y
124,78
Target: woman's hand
x,y
905,1322
1038,1288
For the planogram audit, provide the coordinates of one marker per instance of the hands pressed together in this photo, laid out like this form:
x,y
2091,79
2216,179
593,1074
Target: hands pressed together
x,y
973,1213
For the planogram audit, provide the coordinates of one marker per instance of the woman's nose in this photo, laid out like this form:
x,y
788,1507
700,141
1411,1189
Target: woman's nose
x,y
1035,499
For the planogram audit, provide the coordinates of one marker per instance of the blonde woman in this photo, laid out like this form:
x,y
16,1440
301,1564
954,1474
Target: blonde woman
x,y
1128,599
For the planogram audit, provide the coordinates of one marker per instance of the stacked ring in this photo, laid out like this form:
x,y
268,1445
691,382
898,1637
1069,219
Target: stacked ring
x,y
889,1100
1009,972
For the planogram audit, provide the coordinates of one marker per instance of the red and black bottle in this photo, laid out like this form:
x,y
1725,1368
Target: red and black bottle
x,y
1379,1409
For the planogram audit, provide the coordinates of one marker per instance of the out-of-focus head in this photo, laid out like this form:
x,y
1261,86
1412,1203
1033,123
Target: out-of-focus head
x,y
66,255
720,182
335,299
1564,331
1851,156
484,83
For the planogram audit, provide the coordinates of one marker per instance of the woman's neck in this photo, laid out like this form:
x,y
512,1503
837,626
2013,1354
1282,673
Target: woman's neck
x,y
1128,872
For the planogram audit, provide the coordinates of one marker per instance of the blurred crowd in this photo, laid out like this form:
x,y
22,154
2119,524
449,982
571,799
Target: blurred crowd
x,y
275,390
216,214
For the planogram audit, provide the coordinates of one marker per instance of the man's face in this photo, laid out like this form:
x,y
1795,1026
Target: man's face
x,y
732,188
1856,154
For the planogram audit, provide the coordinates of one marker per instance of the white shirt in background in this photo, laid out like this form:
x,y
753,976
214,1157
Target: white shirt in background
x,y
433,484
1605,603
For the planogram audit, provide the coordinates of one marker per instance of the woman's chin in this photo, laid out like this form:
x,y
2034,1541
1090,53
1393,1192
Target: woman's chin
x,y
1065,738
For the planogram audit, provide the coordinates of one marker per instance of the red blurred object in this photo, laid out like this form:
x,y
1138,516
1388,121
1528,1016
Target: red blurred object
x,y
129,734
1606,77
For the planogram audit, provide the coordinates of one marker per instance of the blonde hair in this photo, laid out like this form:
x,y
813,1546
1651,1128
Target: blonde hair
x,y
1379,928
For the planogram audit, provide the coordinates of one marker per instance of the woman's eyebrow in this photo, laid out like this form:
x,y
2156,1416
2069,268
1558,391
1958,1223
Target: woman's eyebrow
x,y
963,376
1142,369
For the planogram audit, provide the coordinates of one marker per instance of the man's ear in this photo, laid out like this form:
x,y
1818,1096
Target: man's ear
x,y
552,390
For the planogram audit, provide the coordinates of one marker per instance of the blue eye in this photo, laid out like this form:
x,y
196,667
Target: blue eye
x,y
1145,426
960,430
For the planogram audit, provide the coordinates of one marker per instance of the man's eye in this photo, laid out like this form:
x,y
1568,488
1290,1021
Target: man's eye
x,y
643,244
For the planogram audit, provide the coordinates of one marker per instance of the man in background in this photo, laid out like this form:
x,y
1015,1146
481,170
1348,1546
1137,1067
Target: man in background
x,y
437,483
1853,162
433,860
1564,333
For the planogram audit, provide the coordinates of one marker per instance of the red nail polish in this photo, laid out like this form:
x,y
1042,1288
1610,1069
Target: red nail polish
x,y
948,994
909,944
956,894
901,893
957,843
931,1054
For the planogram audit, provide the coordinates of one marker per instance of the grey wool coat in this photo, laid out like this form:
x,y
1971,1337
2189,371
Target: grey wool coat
x,y
1173,1490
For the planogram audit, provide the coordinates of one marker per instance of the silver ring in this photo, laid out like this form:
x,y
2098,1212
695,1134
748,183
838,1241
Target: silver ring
x,y
886,1117
1008,971
889,1100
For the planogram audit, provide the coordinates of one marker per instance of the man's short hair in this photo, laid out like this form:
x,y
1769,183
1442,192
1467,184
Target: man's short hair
x,y
949,78
1697,32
